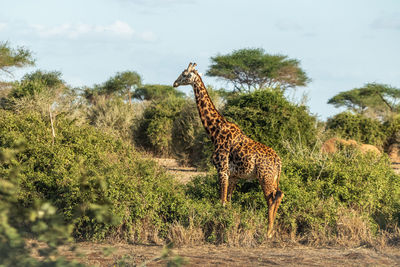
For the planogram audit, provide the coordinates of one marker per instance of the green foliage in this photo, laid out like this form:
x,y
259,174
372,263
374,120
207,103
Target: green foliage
x,y
112,115
249,69
14,58
358,127
392,130
17,222
86,170
316,188
156,92
267,117
377,100
190,142
38,82
121,84
154,130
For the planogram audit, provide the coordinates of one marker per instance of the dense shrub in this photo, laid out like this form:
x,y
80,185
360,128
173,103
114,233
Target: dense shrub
x,y
112,115
154,129
392,131
190,142
17,223
317,191
156,92
84,169
317,187
89,176
358,127
268,117
38,82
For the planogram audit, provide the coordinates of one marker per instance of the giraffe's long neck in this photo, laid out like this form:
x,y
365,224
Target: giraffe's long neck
x,y
210,117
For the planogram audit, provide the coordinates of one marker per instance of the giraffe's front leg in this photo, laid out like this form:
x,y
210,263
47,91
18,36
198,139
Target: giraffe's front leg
x,y
220,160
223,180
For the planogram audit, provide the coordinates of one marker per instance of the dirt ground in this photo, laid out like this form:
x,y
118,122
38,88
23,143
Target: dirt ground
x,y
208,255
182,173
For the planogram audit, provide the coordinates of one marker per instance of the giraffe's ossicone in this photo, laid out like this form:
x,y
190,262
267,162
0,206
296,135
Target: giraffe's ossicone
x,y
236,156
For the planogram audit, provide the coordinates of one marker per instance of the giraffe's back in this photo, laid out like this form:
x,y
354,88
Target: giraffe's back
x,y
249,159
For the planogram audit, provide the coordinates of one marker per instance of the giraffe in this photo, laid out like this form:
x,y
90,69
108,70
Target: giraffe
x,y
235,156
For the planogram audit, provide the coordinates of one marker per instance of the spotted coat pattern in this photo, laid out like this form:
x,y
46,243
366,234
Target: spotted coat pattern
x,y
236,156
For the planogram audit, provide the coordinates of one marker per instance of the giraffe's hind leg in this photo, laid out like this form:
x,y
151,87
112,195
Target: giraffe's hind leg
x,y
278,198
273,195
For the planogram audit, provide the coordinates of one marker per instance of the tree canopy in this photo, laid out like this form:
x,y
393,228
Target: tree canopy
x,y
123,83
156,92
37,82
374,99
14,58
249,69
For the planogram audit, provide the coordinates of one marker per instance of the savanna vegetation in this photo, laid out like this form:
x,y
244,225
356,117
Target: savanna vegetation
x,y
76,163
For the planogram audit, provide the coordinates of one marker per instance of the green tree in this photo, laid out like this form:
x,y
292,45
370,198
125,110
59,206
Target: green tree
x,y
156,92
14,58
38,82
373,99
123,83
249,69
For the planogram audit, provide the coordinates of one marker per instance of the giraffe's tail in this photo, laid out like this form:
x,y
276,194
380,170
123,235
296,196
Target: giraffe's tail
x,y
278,165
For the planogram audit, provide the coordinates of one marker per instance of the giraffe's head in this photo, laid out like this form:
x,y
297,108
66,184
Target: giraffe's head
x,y
188,76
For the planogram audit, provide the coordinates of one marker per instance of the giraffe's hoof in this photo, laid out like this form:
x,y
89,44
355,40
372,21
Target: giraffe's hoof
x,y
270,234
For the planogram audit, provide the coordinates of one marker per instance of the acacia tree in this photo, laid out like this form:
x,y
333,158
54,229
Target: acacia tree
x,y
379,100
37,82
156,92
123,83
252,69
14,58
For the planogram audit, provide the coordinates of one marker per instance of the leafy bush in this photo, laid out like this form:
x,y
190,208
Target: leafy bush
x,y
190,142
38,82
85,169
392,131
317,187
156,92
17,223
112,115
189,139
154,130
267,117
355,126
317,190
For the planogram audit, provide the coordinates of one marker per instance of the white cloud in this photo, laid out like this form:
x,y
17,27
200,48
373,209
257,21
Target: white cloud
x,y
74,31
118,27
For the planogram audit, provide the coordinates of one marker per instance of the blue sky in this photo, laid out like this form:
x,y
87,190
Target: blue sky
x,y
341,44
